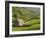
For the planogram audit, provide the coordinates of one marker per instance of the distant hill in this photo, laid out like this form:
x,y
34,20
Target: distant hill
x,y
25,13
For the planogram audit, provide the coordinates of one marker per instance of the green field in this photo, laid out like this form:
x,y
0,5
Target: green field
x,y
33,27
31,17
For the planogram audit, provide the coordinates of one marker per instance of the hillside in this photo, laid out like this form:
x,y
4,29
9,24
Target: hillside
x,y
31,17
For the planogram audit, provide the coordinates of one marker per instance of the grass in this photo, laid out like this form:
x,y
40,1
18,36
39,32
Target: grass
x,y
32,27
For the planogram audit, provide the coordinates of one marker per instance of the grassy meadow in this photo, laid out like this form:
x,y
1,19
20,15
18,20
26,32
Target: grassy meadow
x,y
30,17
